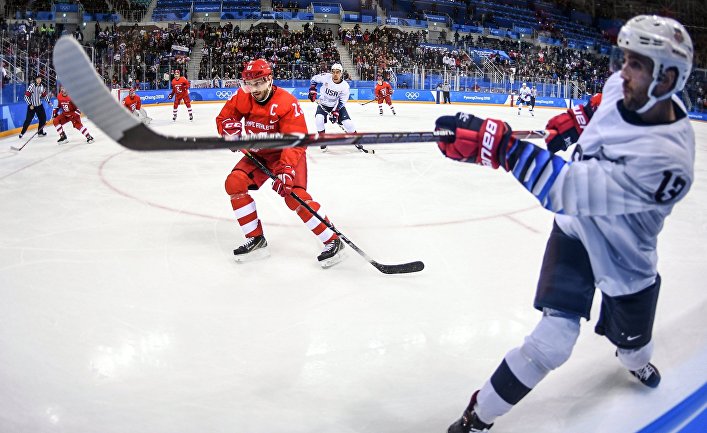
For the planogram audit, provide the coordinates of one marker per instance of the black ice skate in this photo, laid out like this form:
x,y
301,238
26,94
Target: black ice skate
x,y
174,118
42,133
89,139
331,254
648,375
191,117
323,148
469,422
253,249
21,135
62,138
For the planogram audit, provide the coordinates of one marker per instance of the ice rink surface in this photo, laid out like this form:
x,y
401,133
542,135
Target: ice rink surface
x,y
122,310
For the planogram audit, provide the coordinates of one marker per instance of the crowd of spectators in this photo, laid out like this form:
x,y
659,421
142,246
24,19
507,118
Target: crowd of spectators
x,y
384,49
293,54
27,50
127,56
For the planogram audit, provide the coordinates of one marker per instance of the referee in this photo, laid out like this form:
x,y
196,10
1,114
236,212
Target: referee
x,y
33,97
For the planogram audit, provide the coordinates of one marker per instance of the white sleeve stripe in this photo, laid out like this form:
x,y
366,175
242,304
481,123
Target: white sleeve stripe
x,y
542,179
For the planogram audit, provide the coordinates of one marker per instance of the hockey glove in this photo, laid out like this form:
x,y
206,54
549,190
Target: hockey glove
x,y
285,180
570,125
475,140
170,96
313,92
231,129
334,117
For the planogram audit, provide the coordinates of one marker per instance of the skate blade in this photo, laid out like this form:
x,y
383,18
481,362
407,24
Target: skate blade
x,y
259,254
334,260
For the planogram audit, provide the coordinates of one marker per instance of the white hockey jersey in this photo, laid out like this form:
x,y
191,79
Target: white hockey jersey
x,y
626,179
331,94
524,93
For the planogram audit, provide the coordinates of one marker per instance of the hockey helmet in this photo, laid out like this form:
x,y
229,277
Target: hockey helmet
x,y
131,91
256,69
524,85
177,72
379,78
337,67
666,42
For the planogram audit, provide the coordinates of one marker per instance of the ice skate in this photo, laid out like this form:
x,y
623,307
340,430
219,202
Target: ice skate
x,y
648,375
253,249
331,254
42,134
323,148
62,138
191,118
174,118
89,139
469,422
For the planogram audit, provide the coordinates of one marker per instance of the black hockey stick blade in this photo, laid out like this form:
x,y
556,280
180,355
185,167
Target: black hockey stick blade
x,y
403,268
88,92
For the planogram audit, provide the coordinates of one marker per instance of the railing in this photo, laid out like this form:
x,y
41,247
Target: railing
x,y
23,58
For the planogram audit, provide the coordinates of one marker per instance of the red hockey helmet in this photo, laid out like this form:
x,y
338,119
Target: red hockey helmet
x,y
177,71
256,69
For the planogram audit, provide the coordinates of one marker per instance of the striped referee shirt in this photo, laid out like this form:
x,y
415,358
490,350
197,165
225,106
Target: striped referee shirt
x,y
35,93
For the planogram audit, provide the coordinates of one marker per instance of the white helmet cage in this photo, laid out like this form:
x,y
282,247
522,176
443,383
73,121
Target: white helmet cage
x,y
666,42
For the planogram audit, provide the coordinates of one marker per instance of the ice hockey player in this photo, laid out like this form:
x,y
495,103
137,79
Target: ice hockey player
x,y
524,98
68,112
332,101
260,107
382,92
633,162
133,103
180,92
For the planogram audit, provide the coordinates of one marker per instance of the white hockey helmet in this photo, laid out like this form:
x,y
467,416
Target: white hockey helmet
x,y
337,67
524,84
666,42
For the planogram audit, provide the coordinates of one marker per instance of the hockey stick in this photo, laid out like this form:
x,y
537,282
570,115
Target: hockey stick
x,y
366,103
26,142
89,93
404,268
358,146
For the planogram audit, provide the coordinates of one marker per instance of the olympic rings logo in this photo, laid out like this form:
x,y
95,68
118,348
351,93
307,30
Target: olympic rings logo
x,y
224,94
326,9
412,95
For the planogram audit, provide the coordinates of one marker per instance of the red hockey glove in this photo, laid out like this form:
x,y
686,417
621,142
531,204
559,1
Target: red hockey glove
x,y
570,125
475,140
334,117
54,112
170,96
231,129
313,92
285,180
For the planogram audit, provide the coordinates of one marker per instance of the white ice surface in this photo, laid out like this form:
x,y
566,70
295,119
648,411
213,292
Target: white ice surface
x,y
122,310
